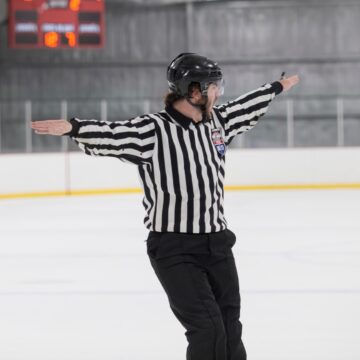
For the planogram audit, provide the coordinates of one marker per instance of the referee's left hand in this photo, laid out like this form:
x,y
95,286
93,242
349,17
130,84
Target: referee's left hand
x,y
289,82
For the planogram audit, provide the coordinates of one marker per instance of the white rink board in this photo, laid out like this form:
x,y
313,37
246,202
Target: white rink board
x,y
52,172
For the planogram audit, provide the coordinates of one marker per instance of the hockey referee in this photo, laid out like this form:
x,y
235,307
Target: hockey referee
x,y
180,155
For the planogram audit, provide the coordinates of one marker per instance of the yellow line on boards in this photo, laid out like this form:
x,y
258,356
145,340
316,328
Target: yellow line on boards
x,y
73,192
293,187
138,190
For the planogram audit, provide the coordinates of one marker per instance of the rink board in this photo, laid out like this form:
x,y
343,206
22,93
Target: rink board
x,y
24,175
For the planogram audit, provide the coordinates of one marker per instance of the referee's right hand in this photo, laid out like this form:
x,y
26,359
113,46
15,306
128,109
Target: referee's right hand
x,y
289,82
51,127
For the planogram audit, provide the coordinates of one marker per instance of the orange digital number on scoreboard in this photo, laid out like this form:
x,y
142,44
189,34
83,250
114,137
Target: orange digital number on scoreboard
x,y
74,5
71,38
51,39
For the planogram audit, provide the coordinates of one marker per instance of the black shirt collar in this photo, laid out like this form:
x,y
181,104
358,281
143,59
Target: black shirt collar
x,y
181,118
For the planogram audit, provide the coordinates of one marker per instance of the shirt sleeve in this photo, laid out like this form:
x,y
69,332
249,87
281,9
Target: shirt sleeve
x,y
128,140
242,114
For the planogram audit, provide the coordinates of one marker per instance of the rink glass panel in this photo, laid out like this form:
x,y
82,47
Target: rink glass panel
x,y
315,122
351,122
12,127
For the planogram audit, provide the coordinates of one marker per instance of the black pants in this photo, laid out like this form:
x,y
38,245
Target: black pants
x,y
199,276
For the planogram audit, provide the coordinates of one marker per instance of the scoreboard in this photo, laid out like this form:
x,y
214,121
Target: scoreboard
x,y
56,23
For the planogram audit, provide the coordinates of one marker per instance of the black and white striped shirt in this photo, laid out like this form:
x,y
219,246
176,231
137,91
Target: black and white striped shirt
x,y
181,171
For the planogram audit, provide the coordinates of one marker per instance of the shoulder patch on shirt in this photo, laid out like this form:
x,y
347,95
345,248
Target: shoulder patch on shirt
x,y
218,141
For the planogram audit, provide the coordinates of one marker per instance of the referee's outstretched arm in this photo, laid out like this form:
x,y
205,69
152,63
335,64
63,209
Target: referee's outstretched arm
x,y
243,113
129,140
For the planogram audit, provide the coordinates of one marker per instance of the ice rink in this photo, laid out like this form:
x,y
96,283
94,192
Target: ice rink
x,y
76,282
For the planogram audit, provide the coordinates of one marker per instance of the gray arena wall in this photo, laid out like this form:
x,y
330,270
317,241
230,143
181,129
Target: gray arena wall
x,y
253,42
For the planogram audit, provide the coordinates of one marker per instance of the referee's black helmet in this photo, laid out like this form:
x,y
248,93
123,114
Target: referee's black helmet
x,y
188,68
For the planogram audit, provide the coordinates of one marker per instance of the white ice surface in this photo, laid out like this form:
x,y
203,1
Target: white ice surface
x,y
76,282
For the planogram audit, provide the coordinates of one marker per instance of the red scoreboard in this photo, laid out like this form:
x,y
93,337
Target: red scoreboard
x,y
56,23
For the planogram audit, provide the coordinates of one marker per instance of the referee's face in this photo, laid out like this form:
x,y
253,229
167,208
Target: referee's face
x,y
212,96
213,92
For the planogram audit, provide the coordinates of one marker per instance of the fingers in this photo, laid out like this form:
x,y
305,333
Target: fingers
x,y
295,78
47,122
39,126
44,123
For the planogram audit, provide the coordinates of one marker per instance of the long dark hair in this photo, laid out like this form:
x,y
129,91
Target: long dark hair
x,y
172,97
